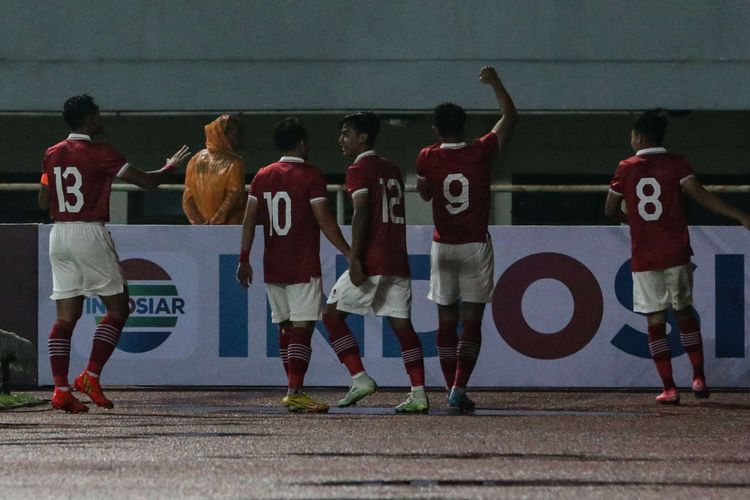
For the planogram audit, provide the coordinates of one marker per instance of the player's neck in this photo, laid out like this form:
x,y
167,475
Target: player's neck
x,y
452,139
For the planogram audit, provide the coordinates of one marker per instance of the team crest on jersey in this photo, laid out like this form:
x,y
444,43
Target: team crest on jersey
x,y
155,306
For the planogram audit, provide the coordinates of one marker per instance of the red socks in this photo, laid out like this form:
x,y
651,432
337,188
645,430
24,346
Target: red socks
x,y
58,345
692,342
344,343
447,347
106,336
468,352
299,355
658,346
411,353
284,336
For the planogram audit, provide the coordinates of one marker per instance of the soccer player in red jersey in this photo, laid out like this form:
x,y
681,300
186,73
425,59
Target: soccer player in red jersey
x,y
378,277
75,187
456,177
289,199
651,184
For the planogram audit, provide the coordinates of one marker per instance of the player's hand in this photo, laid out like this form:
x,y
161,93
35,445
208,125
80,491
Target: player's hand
x,y
244,274
178,158
488,75
356,274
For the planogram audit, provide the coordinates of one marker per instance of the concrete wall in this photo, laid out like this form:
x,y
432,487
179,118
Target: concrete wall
x,y
342,54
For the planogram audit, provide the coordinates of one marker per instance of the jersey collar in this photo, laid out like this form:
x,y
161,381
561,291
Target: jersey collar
x,y
369,152
291,159
650,151
453,145
79,137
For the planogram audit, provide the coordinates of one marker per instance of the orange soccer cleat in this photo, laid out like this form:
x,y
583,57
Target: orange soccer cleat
x,y
89,385
64,400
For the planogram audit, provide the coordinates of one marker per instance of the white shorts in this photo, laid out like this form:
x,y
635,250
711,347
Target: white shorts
x,y
296,302
388,296
84,261
462,272
655,291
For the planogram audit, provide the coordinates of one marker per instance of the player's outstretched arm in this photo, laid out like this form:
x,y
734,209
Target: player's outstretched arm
x,y
694,188
151,180
360,230
329,228
613,210
505,125
244,270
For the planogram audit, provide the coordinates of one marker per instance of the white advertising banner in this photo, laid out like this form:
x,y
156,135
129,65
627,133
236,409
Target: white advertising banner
x,y
560,315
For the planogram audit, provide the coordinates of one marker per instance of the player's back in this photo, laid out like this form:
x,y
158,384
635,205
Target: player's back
x,y
459,178
285,192
386,248
80,175
651,185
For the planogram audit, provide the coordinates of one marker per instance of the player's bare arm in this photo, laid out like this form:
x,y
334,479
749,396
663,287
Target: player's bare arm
x,y
423,188
694,188
360,230
151,180
329,228
244,270
505,125
43,197
613,210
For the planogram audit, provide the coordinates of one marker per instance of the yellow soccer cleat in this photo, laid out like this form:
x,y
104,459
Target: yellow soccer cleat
x,y
304,404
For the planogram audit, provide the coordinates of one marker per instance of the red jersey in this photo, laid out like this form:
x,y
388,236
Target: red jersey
x,y
79,175
285,192
386,242
651,184
459,178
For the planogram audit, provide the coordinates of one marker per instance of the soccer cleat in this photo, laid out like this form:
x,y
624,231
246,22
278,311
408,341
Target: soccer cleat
x,y
460,402
64,400
89,385
700,391
414,405
358,391
285,400
303,403
668,397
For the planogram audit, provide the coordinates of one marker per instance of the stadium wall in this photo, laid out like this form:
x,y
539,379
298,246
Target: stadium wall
x,y
156,55
560,315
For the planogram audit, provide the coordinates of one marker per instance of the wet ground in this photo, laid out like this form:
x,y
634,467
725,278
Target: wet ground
x,y
243,444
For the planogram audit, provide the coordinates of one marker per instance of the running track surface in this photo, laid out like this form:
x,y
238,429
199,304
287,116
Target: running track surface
x,y
243,444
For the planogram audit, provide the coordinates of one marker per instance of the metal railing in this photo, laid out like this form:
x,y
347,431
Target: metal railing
x,y
340,189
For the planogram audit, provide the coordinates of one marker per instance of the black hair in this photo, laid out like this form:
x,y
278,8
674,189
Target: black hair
x,y
288,133
363,123
450,119
652,125
77,108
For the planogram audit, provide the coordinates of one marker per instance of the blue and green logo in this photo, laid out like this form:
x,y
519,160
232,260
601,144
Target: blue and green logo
x,y
155,306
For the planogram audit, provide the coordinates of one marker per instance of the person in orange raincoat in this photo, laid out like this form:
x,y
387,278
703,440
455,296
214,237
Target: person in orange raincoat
x,y
215,176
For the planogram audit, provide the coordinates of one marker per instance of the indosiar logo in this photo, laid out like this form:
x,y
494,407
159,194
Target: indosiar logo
x,y
155,306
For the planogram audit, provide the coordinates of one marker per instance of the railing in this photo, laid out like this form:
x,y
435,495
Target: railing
x,y
339,189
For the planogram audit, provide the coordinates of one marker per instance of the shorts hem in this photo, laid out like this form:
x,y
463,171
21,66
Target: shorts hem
x,y
649,310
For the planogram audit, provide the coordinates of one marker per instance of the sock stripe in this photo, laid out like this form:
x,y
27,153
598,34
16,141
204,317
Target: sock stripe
x,y
344,343
658,347
691,338
468,349
411,355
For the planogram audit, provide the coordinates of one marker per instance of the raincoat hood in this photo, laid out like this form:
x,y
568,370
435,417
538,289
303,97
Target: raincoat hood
x,y
216,140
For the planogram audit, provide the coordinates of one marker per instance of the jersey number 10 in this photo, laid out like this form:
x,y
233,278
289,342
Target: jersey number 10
x,y
273,200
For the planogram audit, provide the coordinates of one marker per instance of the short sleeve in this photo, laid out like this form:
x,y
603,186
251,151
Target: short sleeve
x,y
489,144
616,184
254,189
356,180
317,188
686,171
111,160
422,163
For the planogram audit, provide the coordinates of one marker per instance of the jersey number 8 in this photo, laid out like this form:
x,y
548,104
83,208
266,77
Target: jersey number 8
x,y
652,200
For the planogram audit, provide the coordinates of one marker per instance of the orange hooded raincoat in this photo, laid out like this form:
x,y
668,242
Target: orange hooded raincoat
x,y
215,180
